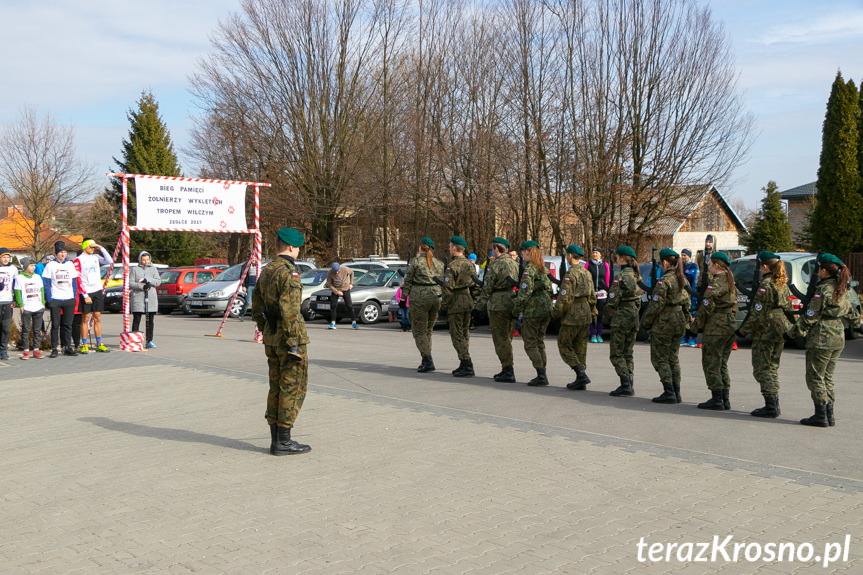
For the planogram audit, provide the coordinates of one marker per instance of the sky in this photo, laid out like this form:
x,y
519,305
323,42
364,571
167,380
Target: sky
x,y
87,62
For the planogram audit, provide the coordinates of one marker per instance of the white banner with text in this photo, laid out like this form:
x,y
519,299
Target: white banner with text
x,y
176,205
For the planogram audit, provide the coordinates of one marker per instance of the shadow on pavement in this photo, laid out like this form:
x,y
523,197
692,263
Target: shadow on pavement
x,y
170,434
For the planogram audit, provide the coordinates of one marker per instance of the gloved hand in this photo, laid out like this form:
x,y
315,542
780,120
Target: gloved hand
x,y
292,351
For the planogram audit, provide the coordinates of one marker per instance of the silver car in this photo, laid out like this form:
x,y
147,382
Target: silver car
x,y
314,280
370,294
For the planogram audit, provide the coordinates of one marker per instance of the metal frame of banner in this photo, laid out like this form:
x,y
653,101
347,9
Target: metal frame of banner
x,y
126,229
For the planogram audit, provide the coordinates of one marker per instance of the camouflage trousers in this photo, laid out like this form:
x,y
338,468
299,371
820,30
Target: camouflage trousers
x,y
715,351
502,323
820,364
459,333
423,315
533,334
288,381
620,350
665,355
572,344
765,364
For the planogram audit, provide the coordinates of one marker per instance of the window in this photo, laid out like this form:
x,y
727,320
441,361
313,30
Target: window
x,y
205,276
189,278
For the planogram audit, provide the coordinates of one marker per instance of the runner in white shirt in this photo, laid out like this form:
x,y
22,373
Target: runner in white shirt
x,y
7,279
90,296
60,274
30,299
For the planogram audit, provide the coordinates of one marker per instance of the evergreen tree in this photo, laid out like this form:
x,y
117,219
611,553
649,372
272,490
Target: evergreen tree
x,y
772,230
149,150
837,222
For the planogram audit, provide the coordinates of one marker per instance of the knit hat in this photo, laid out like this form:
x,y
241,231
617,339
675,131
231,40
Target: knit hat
x,y
529,244
574,250
597,250
59,247
336,266
458,241
667,253
428,242
5,252
501,241
765,255
721,256
626,251
291,237
25,261
686,252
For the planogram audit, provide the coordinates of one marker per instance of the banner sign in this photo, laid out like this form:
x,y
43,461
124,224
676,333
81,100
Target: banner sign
x,y
173,204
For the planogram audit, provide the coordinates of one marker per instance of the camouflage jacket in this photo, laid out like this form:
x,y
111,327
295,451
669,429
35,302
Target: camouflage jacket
x,y
534,294
767,321
717,311
457,284
822,323
277,298
623,293
668,309
576,300
419,282
499,277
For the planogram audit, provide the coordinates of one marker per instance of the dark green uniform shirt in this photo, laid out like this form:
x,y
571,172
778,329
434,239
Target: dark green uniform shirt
x,y
668,308
457,283
534,294
280,293
576,300
822,323
419,282
767,320
499,277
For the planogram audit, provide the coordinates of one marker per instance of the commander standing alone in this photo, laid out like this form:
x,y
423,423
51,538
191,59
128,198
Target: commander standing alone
x,y
276,309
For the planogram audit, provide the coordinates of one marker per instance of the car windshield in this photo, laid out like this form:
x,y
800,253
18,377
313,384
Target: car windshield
x,y
169,277
313,277
376,278
744,270
231,274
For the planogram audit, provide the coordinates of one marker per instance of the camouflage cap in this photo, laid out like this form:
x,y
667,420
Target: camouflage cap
x,y
626,251
574,250
721,256
501,241
428,242
829,259
291,237
765,255
458,241
667,253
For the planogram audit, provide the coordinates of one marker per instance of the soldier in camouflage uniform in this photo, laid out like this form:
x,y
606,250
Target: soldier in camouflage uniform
x,y
716,317
276,310
500,277
667,318
822,326
576,309
767,323
621,312
425,297
533,302
458,301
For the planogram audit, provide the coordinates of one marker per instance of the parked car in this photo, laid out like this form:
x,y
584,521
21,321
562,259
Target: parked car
x,y
371,294
370,264
114,298
798,267
176,285
213,297
314,280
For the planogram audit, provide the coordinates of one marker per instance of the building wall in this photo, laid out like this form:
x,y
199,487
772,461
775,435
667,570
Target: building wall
x,y
798,215
695,240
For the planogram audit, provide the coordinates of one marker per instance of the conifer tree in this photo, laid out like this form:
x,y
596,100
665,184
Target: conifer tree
x,y
772,231
149,150
837,223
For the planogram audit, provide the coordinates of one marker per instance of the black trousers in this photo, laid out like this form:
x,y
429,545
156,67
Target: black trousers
x,y
31,329
136,323
334,304
62,316
5,324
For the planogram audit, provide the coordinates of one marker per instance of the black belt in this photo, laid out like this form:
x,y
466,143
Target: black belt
x,y
424,285
501,289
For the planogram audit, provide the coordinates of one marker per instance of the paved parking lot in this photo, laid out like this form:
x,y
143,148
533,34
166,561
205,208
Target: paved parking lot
x,y
157,463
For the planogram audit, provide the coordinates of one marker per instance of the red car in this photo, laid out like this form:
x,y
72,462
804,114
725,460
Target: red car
x,y
176,285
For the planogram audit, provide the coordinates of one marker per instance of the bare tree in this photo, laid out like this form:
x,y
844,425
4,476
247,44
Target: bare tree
x,y
40,171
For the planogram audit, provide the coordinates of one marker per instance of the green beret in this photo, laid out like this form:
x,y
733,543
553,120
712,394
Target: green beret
x,y
291,237
501,241
458,241
668,253
529,244
574,250
428,242
829,259
721,256
626,251
764,255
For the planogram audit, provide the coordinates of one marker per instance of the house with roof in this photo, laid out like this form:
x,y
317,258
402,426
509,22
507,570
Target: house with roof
x,y
800,201
17,233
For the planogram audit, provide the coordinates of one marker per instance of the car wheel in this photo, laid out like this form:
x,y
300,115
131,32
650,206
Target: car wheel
x,y
850,333
187,309
165,310
238,305
306,310
370,312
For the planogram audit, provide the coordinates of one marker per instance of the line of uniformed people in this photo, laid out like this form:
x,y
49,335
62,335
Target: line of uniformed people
x,y
510,291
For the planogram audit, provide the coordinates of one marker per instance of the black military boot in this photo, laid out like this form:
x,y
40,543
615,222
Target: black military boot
x,y
831,421
274,438
465,369
285,445
667,394
819,419
540,378
625,389
506,375
715,403
581,379
426,365
770,409
676,386
726,400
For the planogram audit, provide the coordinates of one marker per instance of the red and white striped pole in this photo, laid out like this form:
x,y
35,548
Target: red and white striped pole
x,y
125,240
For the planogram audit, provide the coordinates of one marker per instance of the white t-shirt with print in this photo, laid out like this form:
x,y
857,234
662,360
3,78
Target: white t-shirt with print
x,y
61,277
7,276
31,291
